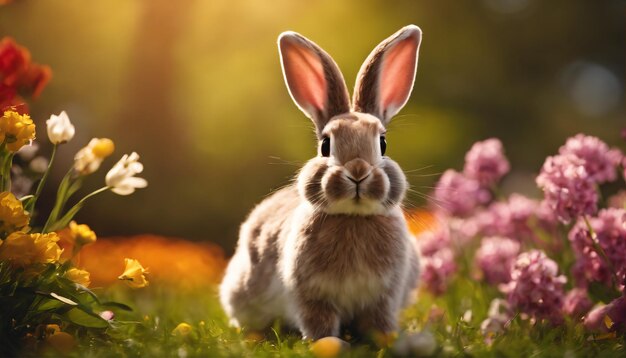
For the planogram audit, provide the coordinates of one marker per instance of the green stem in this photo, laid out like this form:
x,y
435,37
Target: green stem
x,y
31,204
64,221
600,251
6,170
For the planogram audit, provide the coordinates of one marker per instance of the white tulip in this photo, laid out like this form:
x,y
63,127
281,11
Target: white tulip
x,y
121,178
60,129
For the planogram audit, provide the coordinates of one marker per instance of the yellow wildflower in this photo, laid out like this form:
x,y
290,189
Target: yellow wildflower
x,y
12,214
82,234
182,330
23,249
89,158
16,130
134,274
62,342
79,276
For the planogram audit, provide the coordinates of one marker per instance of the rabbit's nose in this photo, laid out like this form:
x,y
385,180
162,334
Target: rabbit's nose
x,y
357,170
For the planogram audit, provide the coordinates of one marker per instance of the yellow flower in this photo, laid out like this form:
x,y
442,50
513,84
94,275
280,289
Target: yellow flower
x,y
23,249
134,274
183,329
12,214
89,158
16,130
82,234
62,342
79,276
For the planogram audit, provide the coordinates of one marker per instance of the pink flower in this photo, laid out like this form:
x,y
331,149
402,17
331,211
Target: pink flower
x,y
486,162
605,318
437,270
496,257
536,289
567,187
599,160
431,241
609,228
515,218
576,303
458,195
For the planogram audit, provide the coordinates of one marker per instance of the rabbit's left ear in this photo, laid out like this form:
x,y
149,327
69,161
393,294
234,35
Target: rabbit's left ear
x,y
385,81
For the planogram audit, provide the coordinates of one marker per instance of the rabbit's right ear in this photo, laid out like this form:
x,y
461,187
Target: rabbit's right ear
x,y
385,81
313,79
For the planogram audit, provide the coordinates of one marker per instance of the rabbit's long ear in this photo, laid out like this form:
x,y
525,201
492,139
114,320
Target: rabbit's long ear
x,y
313,78
385,81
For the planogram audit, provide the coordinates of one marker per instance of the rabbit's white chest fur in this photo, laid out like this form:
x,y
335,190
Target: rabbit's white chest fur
x,y
347,260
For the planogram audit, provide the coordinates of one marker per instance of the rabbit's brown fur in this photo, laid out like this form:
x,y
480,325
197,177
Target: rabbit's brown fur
x,y
333,248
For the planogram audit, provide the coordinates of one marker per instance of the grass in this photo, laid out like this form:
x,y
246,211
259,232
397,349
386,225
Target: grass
x,y
158,309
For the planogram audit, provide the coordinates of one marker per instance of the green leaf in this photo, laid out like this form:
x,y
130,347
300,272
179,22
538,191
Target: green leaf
x,y
601,292
48,304
86,319
116,304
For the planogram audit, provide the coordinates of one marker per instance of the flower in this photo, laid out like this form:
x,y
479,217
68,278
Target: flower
x,y
121,178
459,195
60,129
496,257
12,214
433,240
605,318
79,276
609,228
89,158
512,218
107,315
134,274
23,249
82,234
576,303
536,289
437,270
498,317
600,162
567,187
183,329
486,162
16,130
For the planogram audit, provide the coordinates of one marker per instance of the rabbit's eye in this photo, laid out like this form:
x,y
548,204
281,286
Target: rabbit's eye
x,y
383,145
325,148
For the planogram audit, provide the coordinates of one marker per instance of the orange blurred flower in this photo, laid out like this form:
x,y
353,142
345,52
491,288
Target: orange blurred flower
x,y
169,259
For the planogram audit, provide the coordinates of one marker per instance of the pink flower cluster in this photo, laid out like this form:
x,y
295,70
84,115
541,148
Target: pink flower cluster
x,y
513,230
496,257
569,179
519,217
600,161
609,234
486,162
536,289
568,188
458,194
438,263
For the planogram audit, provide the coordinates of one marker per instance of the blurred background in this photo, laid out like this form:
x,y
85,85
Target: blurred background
x,y
195,87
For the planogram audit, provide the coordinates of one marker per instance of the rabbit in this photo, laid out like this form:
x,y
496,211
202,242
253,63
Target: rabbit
x,y
333,249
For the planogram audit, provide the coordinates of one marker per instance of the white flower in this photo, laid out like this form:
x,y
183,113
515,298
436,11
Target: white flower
x,y
89,158
121,178
60,129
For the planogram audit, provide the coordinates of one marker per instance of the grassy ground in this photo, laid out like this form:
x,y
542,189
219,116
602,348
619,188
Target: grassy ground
x,y
147,331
